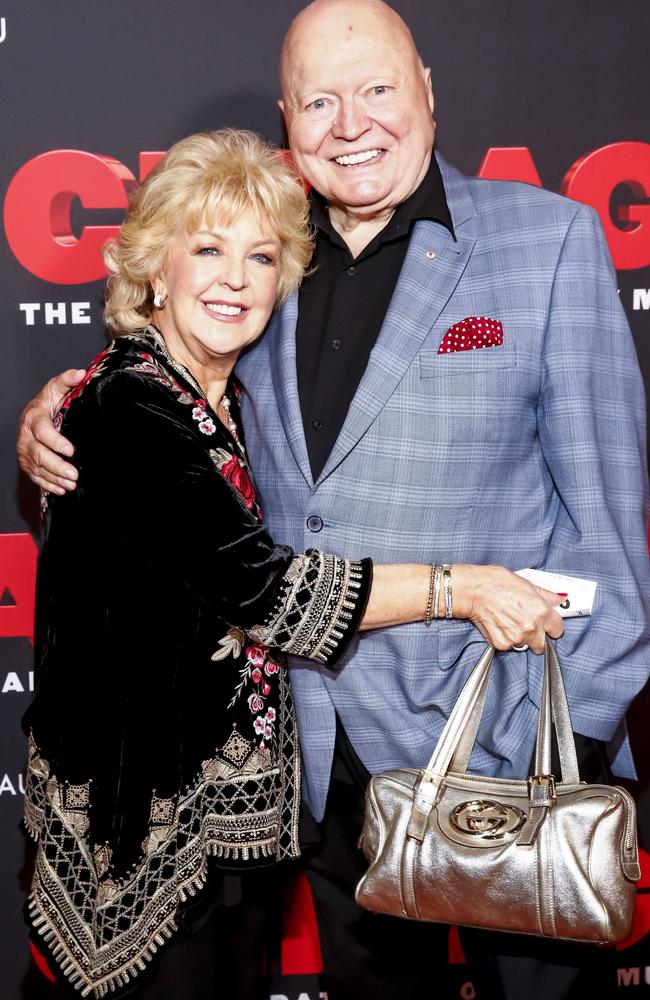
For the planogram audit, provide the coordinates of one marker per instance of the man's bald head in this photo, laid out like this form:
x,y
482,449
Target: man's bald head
x,y
358,105
313,21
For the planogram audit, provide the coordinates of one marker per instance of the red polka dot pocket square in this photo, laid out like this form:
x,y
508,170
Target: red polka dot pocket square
x,y
471,334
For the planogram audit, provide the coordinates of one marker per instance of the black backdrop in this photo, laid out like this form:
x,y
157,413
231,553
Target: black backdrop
x,y
547,86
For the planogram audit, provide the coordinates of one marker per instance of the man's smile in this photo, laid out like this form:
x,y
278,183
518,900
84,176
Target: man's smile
x,y
353,159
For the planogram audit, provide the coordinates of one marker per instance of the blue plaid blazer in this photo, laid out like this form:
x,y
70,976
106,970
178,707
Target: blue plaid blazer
x,y
527,454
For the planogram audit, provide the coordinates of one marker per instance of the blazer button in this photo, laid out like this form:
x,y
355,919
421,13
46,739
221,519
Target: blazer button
x,y
314,522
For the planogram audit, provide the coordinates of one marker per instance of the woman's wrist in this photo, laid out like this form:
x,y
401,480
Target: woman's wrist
x,y
440,596
462,582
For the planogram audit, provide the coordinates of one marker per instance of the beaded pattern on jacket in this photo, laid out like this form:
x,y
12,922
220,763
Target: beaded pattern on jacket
x,y
241,805
320,593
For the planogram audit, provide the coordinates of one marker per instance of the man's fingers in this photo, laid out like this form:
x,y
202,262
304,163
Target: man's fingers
x,y
48,465
55,484
48,485
60,384
55,444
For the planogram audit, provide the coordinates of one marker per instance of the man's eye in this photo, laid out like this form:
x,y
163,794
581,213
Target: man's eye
x,y
317,105
381,90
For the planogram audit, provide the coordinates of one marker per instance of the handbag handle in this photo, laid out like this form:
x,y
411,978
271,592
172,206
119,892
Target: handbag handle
x,y
456,742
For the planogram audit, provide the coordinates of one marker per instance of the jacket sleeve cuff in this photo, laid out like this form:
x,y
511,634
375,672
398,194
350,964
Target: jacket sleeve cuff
x,y
322,600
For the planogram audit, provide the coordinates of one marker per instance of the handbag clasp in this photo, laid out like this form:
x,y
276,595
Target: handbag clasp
x,y
541,789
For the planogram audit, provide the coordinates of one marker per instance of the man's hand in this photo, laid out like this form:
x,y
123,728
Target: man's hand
x,y
39,444
506,609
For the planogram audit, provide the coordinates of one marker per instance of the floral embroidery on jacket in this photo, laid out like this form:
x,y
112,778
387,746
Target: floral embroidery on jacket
x,y
151,366
258,669
234,470
94,369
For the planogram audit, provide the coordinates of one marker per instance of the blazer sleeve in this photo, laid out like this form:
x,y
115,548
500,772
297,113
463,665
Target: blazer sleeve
x,y
144,465
591,422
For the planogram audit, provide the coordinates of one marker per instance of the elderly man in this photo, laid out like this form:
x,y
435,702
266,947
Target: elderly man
x,y
371,430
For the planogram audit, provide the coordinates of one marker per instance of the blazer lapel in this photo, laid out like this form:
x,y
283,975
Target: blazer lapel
x,y
282,351
432,268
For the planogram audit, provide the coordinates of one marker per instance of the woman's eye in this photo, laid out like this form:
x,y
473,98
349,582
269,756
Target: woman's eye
x,y
208,251
263,258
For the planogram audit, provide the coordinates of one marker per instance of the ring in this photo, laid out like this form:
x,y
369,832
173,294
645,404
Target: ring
x,y
521,649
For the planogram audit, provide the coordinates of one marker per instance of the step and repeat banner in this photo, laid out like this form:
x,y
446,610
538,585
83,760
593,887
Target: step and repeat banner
x,y
92,92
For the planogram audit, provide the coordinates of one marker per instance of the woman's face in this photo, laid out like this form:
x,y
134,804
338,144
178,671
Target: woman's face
x,y
221,284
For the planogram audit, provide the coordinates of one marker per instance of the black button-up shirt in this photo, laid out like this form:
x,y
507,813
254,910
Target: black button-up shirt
x,y
342,306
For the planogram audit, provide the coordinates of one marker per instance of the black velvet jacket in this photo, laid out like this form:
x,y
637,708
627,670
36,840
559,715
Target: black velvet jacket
x,y
162,729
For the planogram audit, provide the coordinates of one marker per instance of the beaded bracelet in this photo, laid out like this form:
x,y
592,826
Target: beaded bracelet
x,y
428,614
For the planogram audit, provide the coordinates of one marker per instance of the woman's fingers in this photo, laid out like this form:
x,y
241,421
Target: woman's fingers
x,y
509,610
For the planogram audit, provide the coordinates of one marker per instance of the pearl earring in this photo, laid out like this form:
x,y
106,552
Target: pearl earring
x,y
159,301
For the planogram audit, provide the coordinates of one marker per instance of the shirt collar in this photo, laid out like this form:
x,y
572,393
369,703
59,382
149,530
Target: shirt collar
x,y
428,201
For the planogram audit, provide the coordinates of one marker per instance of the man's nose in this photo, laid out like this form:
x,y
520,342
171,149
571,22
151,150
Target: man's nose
x,y
351,121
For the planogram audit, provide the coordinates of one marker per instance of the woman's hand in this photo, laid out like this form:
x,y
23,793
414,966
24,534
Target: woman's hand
x,y
39,442
506,609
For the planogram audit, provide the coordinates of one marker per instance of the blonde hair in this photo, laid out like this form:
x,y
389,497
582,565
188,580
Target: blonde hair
x,y
207,176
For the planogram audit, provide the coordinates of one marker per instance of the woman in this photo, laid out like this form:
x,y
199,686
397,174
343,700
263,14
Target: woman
x,y
162,732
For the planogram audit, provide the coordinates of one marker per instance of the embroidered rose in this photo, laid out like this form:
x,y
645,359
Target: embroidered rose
x,y
235,474
266,688
259,725
256,677
267,733
255,702
270,715
92,370
257,654
207,426
198,413
270,668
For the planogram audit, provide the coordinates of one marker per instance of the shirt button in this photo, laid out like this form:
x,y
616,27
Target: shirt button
x,y
336,344
317,424
314,522
351,271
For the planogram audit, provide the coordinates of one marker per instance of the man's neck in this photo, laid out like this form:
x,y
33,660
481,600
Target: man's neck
x,y
358,229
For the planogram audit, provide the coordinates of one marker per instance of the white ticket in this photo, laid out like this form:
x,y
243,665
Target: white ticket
x,y
580,594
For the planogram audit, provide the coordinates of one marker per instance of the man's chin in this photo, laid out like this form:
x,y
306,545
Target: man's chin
x,y
357,196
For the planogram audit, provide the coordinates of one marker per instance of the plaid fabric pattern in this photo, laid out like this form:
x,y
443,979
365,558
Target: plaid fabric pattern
x,y
529,455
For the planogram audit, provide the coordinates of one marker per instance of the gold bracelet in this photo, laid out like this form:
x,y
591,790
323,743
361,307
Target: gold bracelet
x,y
446,576
428,613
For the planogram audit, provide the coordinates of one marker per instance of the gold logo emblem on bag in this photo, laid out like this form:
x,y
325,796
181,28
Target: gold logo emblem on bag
x,y
487,819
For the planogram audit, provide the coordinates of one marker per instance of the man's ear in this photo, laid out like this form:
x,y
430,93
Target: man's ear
x,y
281,105
428,88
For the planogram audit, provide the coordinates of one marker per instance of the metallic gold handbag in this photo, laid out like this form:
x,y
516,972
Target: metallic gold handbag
x,y
539,856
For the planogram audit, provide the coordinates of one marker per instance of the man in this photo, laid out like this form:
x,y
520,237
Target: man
x,y
372,431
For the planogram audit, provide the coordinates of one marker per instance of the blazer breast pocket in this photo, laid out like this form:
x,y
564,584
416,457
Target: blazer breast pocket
x,y
481,361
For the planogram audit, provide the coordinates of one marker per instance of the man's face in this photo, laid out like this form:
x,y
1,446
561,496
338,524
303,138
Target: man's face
x,y
358,109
